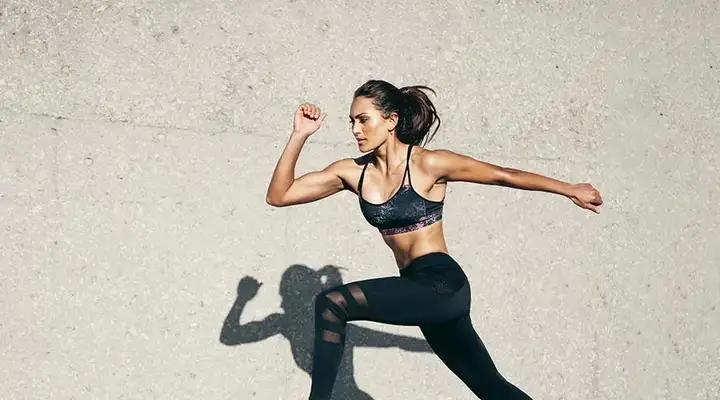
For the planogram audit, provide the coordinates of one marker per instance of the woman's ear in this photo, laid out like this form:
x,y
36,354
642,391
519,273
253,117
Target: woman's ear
x,y
391,121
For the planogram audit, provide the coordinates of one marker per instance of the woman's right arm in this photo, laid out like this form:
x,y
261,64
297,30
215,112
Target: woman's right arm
x,y
284,190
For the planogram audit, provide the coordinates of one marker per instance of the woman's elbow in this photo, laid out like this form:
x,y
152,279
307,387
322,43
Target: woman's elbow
x,y
273,201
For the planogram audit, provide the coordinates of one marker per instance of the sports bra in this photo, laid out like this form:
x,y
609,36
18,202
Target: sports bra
x,y
405,211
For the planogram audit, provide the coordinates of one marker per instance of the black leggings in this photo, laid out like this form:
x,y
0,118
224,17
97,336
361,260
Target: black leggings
x,y
432,292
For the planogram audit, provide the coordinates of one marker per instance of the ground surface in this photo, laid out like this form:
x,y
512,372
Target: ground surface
x,y
137,139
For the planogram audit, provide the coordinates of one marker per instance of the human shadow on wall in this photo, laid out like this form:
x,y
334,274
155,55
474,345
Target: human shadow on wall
x,y
298,288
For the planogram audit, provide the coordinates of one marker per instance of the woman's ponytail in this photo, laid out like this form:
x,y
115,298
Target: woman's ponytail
x,y
418,117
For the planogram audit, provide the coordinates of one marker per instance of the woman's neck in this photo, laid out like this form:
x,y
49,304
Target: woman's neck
x,y
390,155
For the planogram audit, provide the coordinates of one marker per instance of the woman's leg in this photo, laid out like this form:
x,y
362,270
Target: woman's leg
x,y
391,300
460,348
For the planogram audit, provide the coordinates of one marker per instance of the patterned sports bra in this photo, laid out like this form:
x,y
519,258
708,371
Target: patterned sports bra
x,y
405,211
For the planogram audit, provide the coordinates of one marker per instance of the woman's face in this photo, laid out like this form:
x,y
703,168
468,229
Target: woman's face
x,y
368,125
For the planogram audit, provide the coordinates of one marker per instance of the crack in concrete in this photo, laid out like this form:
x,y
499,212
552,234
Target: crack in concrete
x,y
313,140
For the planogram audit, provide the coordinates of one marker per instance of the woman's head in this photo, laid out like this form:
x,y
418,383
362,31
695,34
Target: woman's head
x,y
380,109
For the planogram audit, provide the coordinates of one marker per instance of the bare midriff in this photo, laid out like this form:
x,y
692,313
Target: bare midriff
x,y
410,245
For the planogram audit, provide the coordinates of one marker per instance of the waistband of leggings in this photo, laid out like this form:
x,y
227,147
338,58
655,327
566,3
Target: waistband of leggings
x,y
435,259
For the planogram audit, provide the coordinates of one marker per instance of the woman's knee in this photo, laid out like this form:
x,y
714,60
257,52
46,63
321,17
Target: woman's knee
x,y
341,303
331,305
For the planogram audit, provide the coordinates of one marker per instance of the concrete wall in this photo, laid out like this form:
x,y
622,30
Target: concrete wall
x,y
137,139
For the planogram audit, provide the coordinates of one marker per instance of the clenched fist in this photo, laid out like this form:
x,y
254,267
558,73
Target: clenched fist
x,y
308,119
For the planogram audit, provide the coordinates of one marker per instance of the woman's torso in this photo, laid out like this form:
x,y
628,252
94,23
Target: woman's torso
x,y
405,206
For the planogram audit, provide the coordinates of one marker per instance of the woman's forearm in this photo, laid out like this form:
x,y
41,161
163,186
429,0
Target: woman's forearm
x,y
531,181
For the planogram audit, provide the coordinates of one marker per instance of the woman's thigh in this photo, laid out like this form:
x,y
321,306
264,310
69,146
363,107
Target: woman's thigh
x,y
398,301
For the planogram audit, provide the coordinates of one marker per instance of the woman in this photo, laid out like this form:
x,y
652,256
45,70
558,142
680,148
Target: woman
x,y
401,189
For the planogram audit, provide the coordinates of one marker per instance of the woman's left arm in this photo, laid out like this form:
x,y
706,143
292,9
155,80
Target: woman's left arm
x,y
453,167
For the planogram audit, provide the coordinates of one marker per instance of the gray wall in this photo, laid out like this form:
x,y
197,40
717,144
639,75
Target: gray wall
x,y
138,138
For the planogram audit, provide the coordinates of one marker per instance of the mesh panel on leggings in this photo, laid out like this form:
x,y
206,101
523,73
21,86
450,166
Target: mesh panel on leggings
x,y
336,309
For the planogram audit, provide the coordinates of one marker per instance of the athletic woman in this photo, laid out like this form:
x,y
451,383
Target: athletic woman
x,y
401,189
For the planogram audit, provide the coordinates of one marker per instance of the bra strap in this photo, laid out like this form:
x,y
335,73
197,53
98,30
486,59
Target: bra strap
x,y
407,166
362,178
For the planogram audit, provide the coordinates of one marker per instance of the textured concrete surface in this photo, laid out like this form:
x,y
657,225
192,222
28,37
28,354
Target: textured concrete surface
x,y
137,139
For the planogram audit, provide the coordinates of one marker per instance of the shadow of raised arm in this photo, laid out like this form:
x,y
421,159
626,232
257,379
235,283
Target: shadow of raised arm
x,y
233,333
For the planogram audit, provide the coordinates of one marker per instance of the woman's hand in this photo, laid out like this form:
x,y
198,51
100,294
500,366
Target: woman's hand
x,y
308,120
584,195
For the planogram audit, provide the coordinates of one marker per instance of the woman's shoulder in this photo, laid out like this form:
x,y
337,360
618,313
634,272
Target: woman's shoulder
x,y
349,168
350,163
439,163
429,158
